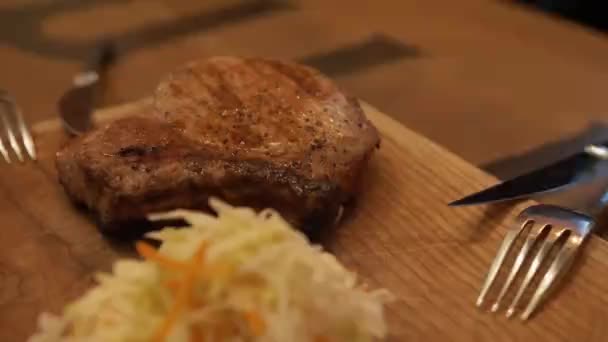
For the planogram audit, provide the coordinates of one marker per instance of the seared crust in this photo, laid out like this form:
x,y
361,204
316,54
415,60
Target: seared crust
x,y
251,131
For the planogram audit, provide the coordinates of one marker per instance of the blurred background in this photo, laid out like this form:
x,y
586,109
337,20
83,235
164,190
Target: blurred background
x,y
587,12
470,74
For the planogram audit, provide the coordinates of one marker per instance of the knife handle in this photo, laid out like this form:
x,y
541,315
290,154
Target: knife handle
x,y
101,59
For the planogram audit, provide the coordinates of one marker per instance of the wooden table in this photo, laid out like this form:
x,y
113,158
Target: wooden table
x,y
468,74
401,236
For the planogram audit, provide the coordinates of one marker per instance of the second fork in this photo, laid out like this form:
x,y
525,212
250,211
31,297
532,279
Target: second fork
x,y
15,138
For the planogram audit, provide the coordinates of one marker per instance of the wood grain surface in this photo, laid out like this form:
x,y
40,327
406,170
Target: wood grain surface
x,y
485,71
401,236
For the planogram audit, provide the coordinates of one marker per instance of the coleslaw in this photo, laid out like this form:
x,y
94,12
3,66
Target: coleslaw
x,y
240,276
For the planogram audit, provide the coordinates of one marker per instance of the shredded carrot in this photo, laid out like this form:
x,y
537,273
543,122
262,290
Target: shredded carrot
x,y
173,285
218,269
181,302
256,322
150,253
223,330
197,303
321,338
196,335
182,299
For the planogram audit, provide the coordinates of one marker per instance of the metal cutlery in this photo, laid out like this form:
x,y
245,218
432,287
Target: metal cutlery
x,y
542,229
564,174
16,139
77,104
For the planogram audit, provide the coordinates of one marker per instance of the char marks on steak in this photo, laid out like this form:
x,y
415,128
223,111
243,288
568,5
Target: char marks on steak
x,y
252,131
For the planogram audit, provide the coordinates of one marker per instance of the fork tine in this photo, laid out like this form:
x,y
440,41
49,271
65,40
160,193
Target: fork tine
x,y
506,245
519,260
4,152
11,136
26,136
536,262
559,265
3,149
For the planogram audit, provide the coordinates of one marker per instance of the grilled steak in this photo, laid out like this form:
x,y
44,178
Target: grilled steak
x,y
254,132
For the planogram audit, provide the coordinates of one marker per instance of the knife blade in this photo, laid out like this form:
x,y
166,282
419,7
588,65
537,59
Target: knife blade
x,y
579,168
76,105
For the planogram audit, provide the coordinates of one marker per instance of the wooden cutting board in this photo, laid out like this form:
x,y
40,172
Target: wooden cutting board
x,y
401,236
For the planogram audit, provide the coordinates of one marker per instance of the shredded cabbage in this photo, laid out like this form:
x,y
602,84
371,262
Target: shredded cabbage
x,y
240,276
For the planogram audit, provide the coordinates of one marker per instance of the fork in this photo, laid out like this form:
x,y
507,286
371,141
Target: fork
x,y
553,223
16,136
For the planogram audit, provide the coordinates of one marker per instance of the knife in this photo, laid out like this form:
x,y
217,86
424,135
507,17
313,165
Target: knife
x,y
583,167
77,104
